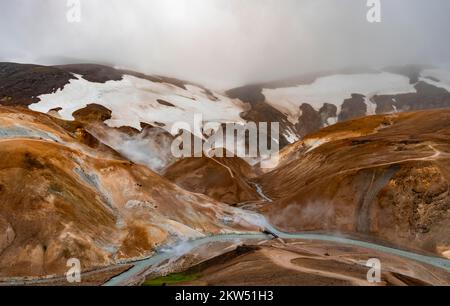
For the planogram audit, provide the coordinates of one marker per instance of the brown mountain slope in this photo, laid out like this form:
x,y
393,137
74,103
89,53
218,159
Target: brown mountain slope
x,y
223,179
61,199
388,179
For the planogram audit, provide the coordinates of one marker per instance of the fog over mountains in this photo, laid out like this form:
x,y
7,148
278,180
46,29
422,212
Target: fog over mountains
x,y
226,43
94,115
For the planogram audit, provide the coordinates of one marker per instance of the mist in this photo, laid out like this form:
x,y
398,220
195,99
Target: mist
x,y
150,148
226,43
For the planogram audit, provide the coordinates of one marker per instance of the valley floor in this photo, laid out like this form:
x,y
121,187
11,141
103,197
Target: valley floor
x,y
252,260
304,263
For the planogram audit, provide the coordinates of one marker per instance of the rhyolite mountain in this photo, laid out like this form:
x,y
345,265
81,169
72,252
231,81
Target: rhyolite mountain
x,y
64,194
385,177
86,169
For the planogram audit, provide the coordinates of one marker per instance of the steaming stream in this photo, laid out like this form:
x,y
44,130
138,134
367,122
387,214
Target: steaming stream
x,y
261,193
140,267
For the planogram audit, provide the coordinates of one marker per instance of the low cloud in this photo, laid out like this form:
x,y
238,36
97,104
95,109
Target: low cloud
x,y
225,43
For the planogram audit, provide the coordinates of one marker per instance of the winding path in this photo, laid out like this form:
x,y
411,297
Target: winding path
x,y
437,154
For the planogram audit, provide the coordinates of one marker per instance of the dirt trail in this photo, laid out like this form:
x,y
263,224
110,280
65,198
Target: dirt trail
x,y
436,155
226,167
284,259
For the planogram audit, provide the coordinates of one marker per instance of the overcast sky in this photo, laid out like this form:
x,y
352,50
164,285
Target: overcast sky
x,y
225,43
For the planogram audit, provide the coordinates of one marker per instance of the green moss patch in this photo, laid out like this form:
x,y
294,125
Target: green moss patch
x,y
171,279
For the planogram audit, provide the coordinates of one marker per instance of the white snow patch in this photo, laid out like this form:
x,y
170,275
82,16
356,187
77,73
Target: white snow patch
x,y
290,136
332,121
441,74
371,107
395,107
133,100
335,89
